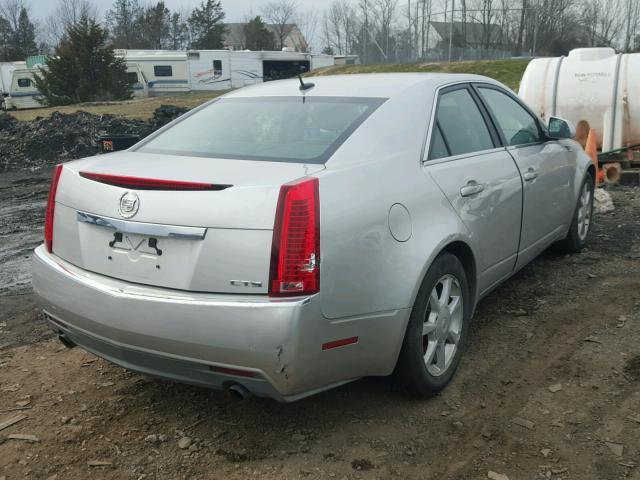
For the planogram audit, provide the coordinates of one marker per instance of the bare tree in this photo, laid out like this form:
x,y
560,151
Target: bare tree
x,y
339,27
519,43
307,22
66,14
601,21
483,14
282,15
425,25
631,14
383,15
10,11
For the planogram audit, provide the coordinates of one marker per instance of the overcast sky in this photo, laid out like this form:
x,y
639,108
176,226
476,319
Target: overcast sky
x,y
235,9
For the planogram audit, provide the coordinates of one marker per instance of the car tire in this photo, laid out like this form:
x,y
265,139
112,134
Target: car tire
x,y
435,337
578,235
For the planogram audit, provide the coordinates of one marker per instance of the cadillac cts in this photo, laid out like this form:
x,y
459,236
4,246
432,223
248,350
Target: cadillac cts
x,y
285,238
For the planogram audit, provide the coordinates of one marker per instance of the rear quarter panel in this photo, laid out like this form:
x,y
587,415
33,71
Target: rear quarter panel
x,y
364,269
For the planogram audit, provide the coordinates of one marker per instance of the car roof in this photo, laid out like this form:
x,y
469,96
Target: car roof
x,y
384,85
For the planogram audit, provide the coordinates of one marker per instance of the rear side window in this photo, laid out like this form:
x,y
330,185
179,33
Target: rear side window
x,y
438,147
283,129
162,70
462,125
518,126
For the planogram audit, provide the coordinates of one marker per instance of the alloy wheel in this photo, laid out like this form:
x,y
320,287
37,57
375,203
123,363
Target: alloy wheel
x,y
442,327
584,211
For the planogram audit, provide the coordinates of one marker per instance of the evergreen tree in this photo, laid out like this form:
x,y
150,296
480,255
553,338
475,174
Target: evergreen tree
x,y
328,50
257,36
205,25
154,26
83,68
123,21
6,40
24,37
17,36
177,32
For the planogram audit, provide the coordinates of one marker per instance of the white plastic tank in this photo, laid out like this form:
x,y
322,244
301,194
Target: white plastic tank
x,y
595,85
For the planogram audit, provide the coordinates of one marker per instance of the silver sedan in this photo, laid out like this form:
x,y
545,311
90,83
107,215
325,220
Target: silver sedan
x,y
285,238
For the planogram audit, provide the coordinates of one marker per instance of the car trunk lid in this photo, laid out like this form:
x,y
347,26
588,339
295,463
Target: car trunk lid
x,y
214,240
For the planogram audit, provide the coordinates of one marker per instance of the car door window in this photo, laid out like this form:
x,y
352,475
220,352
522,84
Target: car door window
x,y
462,126
518,126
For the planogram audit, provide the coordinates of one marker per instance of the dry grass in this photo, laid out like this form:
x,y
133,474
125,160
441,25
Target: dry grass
x,y
139,109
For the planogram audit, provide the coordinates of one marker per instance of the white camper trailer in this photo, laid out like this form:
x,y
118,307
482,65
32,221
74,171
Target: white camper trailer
x,y
138,81
22,91
6,78
225,69
6,74
164,71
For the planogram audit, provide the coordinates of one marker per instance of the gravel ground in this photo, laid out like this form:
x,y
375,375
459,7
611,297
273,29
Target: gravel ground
x,y
549,388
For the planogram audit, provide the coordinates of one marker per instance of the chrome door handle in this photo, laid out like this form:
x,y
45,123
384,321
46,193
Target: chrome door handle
x,y
471,188
529,175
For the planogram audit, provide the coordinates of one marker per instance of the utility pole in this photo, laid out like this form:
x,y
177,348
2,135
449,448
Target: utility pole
x,y
453,7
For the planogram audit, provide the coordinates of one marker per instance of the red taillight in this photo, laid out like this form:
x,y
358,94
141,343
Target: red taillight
x,y
295,252
140,183
51,206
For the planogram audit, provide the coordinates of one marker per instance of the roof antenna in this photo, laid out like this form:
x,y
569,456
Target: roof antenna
x,y
305,86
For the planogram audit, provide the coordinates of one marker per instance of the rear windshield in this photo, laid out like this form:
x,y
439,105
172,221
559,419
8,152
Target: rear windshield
x,y
283,129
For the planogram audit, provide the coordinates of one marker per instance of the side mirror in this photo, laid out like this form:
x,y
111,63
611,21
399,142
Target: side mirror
x,y
560,128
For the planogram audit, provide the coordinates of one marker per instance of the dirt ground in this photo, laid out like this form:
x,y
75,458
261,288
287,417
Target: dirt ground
x,y
549,388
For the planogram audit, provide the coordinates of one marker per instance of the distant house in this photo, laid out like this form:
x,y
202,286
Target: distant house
x,y
471,35
234,38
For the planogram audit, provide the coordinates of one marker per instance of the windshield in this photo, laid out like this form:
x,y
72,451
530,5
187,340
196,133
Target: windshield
x,y
284,129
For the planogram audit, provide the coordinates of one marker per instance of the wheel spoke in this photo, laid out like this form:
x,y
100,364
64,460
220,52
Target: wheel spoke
x,y
428,328
429,354
454,306
453,337
434,302
441,354
446,291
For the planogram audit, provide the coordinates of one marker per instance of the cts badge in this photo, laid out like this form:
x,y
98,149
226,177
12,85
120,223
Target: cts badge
x,y
129,204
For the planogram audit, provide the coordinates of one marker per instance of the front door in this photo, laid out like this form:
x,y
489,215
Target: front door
x,y
546,167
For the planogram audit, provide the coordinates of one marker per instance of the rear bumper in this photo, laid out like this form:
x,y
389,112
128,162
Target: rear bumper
x,y
182,335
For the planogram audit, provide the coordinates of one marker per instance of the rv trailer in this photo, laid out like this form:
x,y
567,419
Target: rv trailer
x,y
137,80
163,71
6,78
226,69
22,91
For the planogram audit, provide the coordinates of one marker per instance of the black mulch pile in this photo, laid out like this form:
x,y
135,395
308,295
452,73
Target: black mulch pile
x,y
44,142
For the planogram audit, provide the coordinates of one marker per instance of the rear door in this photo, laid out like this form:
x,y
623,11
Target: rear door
x,y
546,166
479,178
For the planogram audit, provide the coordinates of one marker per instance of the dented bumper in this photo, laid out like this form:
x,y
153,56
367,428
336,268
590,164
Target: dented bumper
x,y
201,338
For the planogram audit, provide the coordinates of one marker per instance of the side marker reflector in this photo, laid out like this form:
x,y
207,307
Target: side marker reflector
x,y
233,371
339,343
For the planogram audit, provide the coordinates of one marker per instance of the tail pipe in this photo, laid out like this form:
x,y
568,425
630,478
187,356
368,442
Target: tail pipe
x,y
238,392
